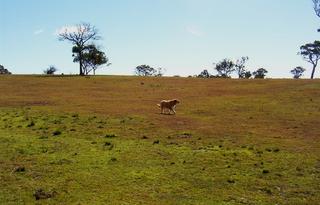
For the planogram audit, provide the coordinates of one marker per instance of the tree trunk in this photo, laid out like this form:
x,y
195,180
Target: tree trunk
x,y
313,70
80,64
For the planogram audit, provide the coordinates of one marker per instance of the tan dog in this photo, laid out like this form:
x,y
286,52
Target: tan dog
x,y
168,105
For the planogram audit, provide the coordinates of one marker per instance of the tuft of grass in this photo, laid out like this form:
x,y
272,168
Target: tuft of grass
x,y
56,133
110,136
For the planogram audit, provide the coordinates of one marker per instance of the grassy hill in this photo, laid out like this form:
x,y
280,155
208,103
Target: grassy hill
x,y
102,140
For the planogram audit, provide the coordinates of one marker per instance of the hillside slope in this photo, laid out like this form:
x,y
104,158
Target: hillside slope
x,y
102,140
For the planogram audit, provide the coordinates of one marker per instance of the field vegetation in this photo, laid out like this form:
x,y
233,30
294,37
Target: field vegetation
x,y
102,140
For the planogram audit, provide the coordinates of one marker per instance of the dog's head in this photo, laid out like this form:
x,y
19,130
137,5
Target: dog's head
x,y
176,101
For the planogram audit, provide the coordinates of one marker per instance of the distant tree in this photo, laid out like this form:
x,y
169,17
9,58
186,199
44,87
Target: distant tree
x,y
50,71
310,52
80,37
247,74
4,71
240,66
145,70
297,72
92,58
204,74
159,72
260,73
225,68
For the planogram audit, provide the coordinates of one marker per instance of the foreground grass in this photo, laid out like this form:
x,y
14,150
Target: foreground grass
x,y
101,141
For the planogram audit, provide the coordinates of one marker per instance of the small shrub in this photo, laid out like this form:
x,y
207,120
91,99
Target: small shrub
x,y
231,181
110,136
265,171
50,71
156,142
276,150
56,133
41,194
268,150
31,124
108,145
19,169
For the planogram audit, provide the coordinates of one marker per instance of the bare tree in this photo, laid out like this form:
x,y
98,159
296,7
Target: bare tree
x,y
160,72
240,66
79,36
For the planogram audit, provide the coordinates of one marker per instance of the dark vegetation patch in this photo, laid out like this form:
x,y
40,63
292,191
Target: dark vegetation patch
x,y
110,136
156,142
56,133
42,194
19,169
31,124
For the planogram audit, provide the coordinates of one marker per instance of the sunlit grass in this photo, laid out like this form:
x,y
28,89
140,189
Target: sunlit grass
x,y
101,140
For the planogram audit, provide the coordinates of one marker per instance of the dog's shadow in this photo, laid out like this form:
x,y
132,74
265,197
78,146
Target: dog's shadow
x,y
165,114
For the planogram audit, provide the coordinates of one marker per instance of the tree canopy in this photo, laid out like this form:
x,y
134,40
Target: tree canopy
x,y
4,71
225,68
145,70
92,58
204,74
260,73
310,52
80,36
297,72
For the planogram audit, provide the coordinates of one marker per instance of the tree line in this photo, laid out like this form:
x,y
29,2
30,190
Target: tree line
x,y
226,67
91,57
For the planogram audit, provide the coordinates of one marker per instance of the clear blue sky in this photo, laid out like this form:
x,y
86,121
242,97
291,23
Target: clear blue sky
x,y
182,36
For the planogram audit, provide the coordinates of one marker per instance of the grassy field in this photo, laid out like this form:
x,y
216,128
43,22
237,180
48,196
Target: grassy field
x,y
101,140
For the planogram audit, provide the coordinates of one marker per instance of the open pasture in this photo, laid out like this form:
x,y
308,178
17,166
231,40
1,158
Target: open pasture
x,y
102,140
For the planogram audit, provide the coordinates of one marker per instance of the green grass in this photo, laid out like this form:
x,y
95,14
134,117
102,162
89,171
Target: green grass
x,y
231,142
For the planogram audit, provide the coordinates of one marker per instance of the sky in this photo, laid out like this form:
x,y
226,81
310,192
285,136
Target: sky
x,y
183,37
